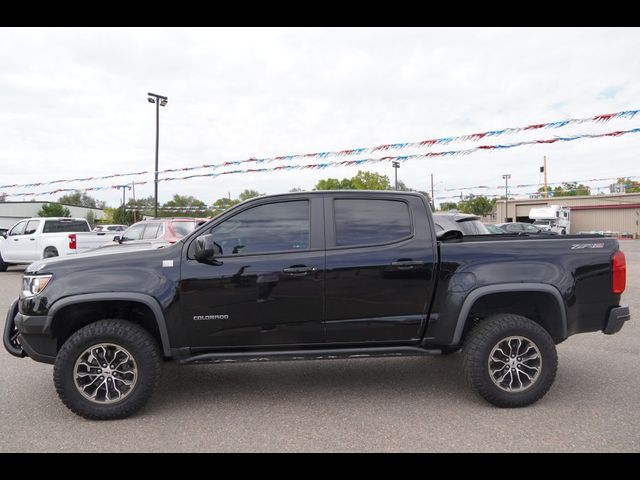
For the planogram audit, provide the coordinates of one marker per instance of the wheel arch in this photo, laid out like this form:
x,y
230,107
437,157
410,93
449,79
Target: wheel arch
x,y
152,314
516,298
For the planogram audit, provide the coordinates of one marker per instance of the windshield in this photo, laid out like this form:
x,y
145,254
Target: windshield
x,y
542,222
472,227
183,228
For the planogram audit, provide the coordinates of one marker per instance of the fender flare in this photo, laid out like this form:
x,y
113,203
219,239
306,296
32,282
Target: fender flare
x,y
480,292
145,299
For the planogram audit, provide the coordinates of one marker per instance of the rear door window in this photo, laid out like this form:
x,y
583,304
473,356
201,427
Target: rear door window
x,y
31,227
152,231
371,221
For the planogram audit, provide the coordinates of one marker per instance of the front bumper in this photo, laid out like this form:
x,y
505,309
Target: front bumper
x,y
617,317
26,335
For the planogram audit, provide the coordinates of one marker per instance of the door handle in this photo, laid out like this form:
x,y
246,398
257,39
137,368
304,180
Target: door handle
x,y
407,264
32,239
299,270
16,239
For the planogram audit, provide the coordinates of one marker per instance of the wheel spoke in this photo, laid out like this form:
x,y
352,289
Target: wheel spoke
x,y
514,364
97,381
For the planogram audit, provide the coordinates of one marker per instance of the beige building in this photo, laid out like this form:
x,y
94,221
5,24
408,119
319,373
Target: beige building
x,y
616,213
12,212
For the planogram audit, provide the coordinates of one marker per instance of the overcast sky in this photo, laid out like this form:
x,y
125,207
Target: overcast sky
x,y
73,102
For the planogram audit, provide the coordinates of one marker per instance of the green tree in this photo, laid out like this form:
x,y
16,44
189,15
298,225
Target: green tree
x,y
293,190
479,205
365,180
446,206
81,199
54,210
91,218
334,184
3,197
568,189
630,186
247,194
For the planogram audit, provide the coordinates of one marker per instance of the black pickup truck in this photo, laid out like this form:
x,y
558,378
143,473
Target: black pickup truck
x,y
319,275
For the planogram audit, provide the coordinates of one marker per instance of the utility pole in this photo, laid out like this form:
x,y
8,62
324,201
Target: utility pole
x,y
124,212
160,101
506,177
546,192
133,193
396,165
433,201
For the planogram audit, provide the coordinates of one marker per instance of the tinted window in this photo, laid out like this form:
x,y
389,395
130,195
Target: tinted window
x,y
115,228
472,227
153,230
514,227
133,233
531,228
31,227
273,227
360,222
58,226
17,229
183,228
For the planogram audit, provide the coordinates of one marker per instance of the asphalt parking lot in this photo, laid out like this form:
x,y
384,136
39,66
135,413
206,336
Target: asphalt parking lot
x,y
401,404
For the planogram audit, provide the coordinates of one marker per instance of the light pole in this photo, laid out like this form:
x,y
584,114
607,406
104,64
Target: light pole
x,y
160,101
506,177
396,165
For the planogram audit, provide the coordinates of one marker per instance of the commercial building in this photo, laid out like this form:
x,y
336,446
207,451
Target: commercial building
x,y
12,212
619,213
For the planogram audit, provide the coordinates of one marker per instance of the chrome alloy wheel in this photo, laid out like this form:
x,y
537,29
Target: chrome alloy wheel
x,y
515,364
105,373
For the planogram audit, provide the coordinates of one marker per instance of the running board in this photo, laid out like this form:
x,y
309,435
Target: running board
x,y
286,355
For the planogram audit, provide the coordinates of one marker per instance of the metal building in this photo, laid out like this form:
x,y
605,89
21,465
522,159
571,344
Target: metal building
x,y
618,213
12,212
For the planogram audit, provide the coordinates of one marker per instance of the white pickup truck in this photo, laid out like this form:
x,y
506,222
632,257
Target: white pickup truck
x,y
37,238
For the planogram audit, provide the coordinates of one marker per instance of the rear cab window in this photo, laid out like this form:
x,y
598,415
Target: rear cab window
x,y
183,229
60,226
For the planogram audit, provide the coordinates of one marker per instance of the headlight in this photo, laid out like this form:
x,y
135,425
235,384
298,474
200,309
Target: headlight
x,y
34,284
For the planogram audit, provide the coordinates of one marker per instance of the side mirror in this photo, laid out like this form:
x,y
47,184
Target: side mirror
x,y
117,238
205,248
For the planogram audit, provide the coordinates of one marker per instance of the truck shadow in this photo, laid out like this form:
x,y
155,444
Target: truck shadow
x,y
438,379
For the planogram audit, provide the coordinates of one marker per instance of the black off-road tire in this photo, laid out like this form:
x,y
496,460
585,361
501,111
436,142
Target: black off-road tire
x,y
482,340
136,340
3,266
50,252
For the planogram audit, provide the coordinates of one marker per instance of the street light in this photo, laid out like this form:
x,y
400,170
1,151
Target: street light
x,y
160,101
396,165
506,177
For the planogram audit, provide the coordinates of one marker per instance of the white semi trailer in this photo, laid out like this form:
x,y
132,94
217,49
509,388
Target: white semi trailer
x,y
554,218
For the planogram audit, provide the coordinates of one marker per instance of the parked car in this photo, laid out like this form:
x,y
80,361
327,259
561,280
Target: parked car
x,y
523,228
157,233
36,238
463,222
316,275
110,228
493,228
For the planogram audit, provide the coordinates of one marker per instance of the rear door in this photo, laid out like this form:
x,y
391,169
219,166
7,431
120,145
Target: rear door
x,y
28,243
380,268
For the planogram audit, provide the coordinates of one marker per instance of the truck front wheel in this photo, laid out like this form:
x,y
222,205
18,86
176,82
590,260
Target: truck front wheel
x,y
510,360
107,370
3,266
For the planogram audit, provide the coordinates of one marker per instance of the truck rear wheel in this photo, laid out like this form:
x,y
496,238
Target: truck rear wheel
x,y
50,252
3,266
107,370
510,360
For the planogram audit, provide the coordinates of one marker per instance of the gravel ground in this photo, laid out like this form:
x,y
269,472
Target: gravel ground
x,y
399,404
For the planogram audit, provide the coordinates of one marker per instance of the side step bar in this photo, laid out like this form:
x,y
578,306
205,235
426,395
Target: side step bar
x,y
326,354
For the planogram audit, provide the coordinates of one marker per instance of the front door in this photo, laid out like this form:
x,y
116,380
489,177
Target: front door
x,y
265,288
12,248
381,260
